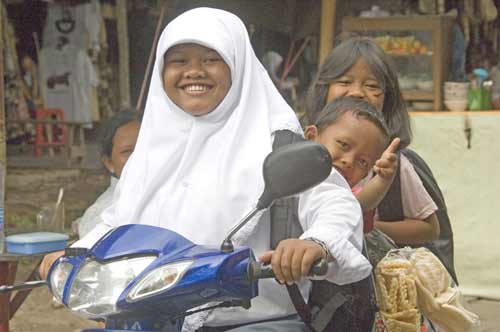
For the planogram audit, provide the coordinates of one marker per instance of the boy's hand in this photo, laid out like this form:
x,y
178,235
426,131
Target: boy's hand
x,y
292,259
386,166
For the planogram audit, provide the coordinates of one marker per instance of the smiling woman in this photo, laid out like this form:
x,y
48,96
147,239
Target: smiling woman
x,y
196,78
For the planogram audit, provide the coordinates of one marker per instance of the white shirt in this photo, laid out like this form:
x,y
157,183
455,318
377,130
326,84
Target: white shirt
x,y
92,216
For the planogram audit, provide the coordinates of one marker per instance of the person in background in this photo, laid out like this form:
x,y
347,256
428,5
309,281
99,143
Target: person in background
x,y
118,136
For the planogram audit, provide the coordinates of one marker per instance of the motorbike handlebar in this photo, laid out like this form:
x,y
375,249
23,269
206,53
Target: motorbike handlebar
x,y
4,289
260,271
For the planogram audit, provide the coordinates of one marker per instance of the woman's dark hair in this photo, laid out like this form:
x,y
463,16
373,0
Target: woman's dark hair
x,y
358,107
340,60
108,130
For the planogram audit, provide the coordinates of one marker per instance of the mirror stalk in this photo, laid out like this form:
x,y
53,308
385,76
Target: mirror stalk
x,y
227,244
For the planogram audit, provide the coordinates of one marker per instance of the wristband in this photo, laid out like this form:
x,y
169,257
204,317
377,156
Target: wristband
x,y
328,255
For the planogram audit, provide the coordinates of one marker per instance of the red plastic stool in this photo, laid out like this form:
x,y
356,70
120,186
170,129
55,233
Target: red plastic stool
x,y
49,134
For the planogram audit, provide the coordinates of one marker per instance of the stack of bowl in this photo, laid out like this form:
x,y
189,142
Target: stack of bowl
x,y
455,95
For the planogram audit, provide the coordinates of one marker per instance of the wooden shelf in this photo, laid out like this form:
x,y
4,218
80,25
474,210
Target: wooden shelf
x,y
417,95
410,55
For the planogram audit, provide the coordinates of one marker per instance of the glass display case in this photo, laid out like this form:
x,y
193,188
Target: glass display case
x,y
420,47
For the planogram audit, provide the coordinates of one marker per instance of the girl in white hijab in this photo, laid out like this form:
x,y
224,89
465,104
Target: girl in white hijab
x,y
197,166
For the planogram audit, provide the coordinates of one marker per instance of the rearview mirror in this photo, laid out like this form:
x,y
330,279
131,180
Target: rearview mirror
x,y
292,169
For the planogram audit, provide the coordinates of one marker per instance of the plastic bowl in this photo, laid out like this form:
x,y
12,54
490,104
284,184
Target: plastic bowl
x,y
456,90
456,105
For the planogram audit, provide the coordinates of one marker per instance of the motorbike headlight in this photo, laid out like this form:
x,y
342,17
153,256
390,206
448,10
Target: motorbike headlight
x,y
97,286
158,280
58,278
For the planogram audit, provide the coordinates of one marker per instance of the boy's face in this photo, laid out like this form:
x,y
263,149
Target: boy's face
x,y
354,144
358,81
123,145
195,78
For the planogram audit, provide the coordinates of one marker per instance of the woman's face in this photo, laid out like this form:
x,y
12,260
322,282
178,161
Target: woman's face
x,y
195,78
358,81
123,145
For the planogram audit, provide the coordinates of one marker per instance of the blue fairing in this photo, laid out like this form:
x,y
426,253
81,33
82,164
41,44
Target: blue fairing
x,y
214,276
136,240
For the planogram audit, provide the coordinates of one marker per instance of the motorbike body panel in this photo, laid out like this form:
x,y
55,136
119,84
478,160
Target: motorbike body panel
x,y
213,276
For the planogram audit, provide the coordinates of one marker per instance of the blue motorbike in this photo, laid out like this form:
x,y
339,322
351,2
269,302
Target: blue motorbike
x,y
149,286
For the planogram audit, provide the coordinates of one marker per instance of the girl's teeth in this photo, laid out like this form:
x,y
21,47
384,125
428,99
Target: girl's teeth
x,y
196,88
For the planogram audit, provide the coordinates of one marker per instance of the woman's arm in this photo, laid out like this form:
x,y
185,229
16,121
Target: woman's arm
x,y
411,231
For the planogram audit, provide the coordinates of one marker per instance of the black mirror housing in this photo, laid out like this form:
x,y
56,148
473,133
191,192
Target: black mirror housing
x,y
292,169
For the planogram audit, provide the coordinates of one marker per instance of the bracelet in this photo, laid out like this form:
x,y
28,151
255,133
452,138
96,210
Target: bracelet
x,y
328,255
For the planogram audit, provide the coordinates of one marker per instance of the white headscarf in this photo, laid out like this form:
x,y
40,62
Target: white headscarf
x,y
199,175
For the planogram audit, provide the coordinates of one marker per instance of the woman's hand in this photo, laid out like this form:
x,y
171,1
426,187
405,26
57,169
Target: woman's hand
x,y
47,262
386,166
293,258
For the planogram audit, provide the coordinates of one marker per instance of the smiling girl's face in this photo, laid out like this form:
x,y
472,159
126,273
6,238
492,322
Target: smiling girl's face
x,y
195,78
358,81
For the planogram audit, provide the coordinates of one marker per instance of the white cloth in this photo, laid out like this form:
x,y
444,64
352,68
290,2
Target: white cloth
x,y
272,61
92,215
198,169
82,33
199,175
67,77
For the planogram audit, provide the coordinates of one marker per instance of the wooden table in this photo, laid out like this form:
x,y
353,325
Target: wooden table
x,y
9,303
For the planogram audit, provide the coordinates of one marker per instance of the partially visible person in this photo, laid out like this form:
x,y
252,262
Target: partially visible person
x,y
118,136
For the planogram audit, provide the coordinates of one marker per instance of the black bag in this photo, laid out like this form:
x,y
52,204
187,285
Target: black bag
x,y
331,307
391,209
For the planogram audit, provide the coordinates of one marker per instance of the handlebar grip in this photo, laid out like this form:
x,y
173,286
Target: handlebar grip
x,y
266,271
259,271
319,268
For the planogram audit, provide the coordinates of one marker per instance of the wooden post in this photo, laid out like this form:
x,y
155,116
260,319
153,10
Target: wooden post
x,y
3,154
123,65
327,28
7,271
152,52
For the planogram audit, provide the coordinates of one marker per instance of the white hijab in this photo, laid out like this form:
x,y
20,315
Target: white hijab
x,y
199,175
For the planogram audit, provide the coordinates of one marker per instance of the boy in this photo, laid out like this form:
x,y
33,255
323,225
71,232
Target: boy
x,y
357,138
